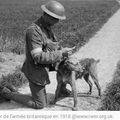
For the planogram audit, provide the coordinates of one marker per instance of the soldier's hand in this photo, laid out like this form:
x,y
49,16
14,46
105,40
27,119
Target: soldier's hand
x,y
67,51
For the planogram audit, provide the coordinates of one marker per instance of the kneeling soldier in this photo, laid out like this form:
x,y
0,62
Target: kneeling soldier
x,y
39,59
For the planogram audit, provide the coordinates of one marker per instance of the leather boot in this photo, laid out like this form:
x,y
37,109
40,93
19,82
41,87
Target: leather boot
x,y
11,87
2,99
20,98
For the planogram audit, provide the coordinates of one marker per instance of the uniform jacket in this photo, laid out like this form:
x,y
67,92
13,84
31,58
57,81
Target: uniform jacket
x,y
39,57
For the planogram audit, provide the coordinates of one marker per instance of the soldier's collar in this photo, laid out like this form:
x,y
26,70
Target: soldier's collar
x,y
40,22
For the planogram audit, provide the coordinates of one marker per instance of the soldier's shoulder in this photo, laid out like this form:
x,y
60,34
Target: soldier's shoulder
x,y
34,28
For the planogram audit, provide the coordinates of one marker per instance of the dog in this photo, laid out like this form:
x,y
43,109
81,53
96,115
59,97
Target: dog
x,y
68,72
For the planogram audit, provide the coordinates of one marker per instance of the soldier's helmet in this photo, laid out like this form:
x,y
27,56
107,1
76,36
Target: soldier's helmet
x,y
54,9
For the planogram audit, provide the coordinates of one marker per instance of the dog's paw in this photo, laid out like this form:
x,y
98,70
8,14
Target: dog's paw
x,y
75,109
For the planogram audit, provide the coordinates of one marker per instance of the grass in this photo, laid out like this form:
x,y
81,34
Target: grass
x,y
84,18
111,101
17,79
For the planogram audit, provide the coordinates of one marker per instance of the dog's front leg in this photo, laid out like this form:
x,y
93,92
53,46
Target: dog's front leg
x,y
74,90
57,92
59,83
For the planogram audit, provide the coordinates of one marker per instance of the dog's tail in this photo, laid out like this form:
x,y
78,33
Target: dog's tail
x,y
94,60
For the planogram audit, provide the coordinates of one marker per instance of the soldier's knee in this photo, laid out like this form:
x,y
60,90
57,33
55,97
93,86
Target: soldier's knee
x,y
40,105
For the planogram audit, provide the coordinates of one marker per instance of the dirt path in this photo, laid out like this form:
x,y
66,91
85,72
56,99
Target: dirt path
x,y
105,45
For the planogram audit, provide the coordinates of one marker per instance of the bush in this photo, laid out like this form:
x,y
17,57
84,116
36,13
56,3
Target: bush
x,y
17,79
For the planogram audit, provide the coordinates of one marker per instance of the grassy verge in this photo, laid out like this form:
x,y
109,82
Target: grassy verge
x,y
84,18
111,101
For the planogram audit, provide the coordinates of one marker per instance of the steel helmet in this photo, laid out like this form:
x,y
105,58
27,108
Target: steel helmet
x,y
54,9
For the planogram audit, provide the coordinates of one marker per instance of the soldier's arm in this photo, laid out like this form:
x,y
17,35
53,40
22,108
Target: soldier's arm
x,y
35,47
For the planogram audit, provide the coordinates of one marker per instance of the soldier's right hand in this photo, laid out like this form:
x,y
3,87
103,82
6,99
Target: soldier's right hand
x,y
67,51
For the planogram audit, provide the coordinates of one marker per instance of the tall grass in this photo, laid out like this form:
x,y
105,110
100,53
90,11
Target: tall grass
x,y
84,18
111,101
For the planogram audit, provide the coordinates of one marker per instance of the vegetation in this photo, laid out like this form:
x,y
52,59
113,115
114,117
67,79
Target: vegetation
x,y
111,100
16,79
84,18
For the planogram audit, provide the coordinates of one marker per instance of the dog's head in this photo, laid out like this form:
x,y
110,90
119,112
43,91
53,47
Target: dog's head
x,y
70,64
73,64
60,63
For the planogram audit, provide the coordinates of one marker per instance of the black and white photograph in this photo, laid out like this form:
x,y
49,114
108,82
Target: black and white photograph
x,y
59,56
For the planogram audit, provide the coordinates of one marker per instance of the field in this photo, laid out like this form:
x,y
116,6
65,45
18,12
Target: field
x,y
84,18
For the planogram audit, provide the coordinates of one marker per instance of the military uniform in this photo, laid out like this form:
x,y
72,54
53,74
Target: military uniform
x,y
42,52
40,59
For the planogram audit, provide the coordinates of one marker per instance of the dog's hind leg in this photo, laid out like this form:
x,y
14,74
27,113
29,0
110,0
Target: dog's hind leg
x,y
74,90
94,76
97,84
86,78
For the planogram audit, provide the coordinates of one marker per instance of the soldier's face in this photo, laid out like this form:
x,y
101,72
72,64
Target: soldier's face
x,y
51,20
